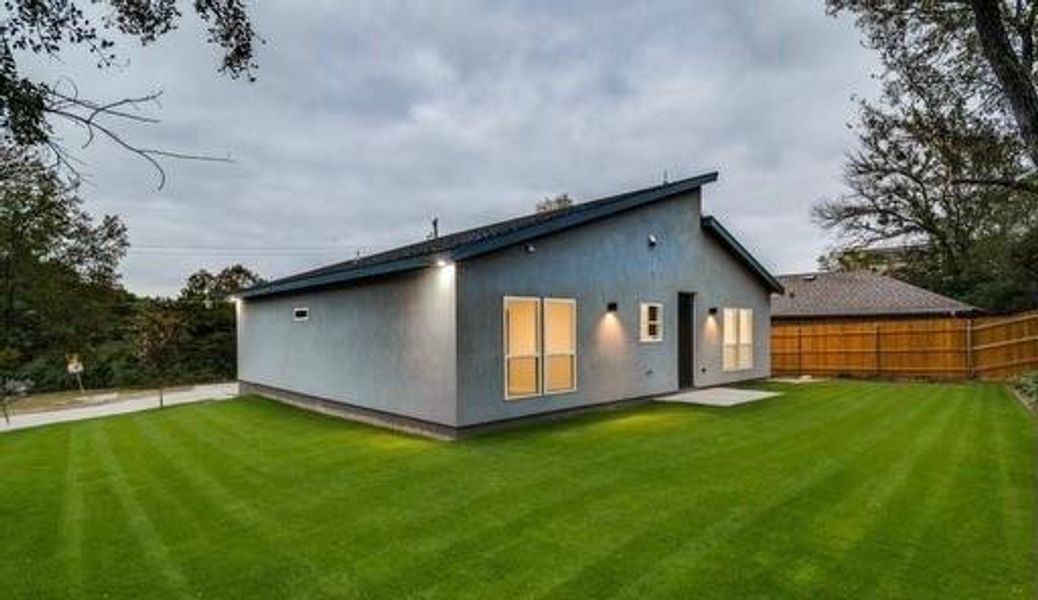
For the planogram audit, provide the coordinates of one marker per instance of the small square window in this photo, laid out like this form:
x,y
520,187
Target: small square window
x,y
301,313
651,322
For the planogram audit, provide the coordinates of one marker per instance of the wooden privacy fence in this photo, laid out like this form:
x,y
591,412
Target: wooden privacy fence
x,y
931,347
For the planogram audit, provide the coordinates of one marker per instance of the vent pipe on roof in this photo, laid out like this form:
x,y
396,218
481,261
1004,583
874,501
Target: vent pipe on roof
x,y
435,229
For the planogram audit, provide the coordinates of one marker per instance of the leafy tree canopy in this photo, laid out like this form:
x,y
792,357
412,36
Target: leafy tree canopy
x,y
57,264
946,163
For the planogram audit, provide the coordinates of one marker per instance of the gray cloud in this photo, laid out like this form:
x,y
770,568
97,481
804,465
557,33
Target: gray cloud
x,y
371,118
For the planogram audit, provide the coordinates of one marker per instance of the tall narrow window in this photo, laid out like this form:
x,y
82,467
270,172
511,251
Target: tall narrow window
x,y
745,339
560,345
738,339
652,322
522,347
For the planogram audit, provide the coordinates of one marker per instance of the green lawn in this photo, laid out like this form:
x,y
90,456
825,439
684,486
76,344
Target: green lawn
x,y
837,489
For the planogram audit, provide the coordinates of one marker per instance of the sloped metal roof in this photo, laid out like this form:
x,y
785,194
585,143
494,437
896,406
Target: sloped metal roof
x,y
488,238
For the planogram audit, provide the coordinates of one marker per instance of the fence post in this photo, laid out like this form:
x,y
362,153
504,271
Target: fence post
x,y
875,343
970,372
800,349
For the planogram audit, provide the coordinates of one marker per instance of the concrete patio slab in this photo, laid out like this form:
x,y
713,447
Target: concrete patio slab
x,y
799,380
718,396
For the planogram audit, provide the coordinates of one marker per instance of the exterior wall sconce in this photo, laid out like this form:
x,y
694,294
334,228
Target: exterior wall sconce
x,y
712,310
653,240
611,307
441,263
530,248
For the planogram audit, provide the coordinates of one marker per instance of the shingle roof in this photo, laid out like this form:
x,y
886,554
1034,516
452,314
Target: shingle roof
x,y
858,293
481,240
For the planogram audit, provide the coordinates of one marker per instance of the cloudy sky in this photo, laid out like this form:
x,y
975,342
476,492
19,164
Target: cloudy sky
x,y
370,118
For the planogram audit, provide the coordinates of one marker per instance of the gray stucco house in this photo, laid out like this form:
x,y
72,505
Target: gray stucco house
x,y
616,299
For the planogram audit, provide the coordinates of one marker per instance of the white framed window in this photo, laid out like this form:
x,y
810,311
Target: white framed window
x,y
540,346
301,313
651,322
560,345
738,339
522,351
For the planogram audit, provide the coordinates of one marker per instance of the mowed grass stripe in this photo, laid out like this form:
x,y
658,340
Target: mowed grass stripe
x,y
1007,513
222,514
73,514
821,492
935,497
671,465
557,497
136,515
898,481
711,558
32,472
838,517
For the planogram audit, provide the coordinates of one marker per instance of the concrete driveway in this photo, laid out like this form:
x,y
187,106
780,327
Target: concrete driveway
x,y
216,391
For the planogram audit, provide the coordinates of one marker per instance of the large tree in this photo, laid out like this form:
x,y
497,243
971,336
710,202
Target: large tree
x,y
946,165
209,321
980,51
58,265
29,108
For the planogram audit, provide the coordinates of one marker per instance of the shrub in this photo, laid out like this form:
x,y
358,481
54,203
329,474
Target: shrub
x,y
1027,384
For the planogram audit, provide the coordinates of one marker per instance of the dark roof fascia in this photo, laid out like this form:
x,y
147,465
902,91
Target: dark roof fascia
x,y
713,227
474,249
397,266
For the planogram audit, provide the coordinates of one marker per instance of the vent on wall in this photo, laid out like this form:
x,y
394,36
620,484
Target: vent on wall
x,y
301,313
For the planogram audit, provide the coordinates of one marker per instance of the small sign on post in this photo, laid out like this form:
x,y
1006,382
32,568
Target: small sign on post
x,y
75,369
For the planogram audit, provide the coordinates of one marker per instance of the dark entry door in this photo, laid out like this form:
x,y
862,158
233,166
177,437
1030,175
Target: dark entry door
x,y
686,340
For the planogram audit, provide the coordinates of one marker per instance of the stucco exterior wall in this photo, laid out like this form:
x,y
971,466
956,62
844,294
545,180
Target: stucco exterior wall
x,y
607,261
386,345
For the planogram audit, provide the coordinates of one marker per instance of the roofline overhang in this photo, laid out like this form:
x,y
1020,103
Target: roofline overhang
x,y
330,279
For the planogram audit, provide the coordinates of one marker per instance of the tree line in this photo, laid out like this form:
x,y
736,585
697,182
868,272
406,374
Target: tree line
x,y
61,299
945,171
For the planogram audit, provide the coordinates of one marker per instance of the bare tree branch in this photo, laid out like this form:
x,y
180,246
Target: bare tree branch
x,y
88,115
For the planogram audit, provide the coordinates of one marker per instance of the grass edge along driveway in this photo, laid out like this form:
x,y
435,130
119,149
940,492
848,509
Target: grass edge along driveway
x,y
836,489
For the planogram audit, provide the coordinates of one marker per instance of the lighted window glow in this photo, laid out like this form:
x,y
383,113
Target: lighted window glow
x,y
738,339
651,322
540,346
522,347
560,345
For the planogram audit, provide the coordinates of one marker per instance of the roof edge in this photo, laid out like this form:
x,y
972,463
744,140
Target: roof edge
x,y
613,204
281,287
638,198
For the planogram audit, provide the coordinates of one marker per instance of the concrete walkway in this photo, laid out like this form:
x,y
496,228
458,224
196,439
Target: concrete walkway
x,y
718,396
216,391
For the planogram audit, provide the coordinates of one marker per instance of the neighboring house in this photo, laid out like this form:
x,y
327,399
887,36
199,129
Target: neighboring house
x,y
858,294
621,298
863,324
